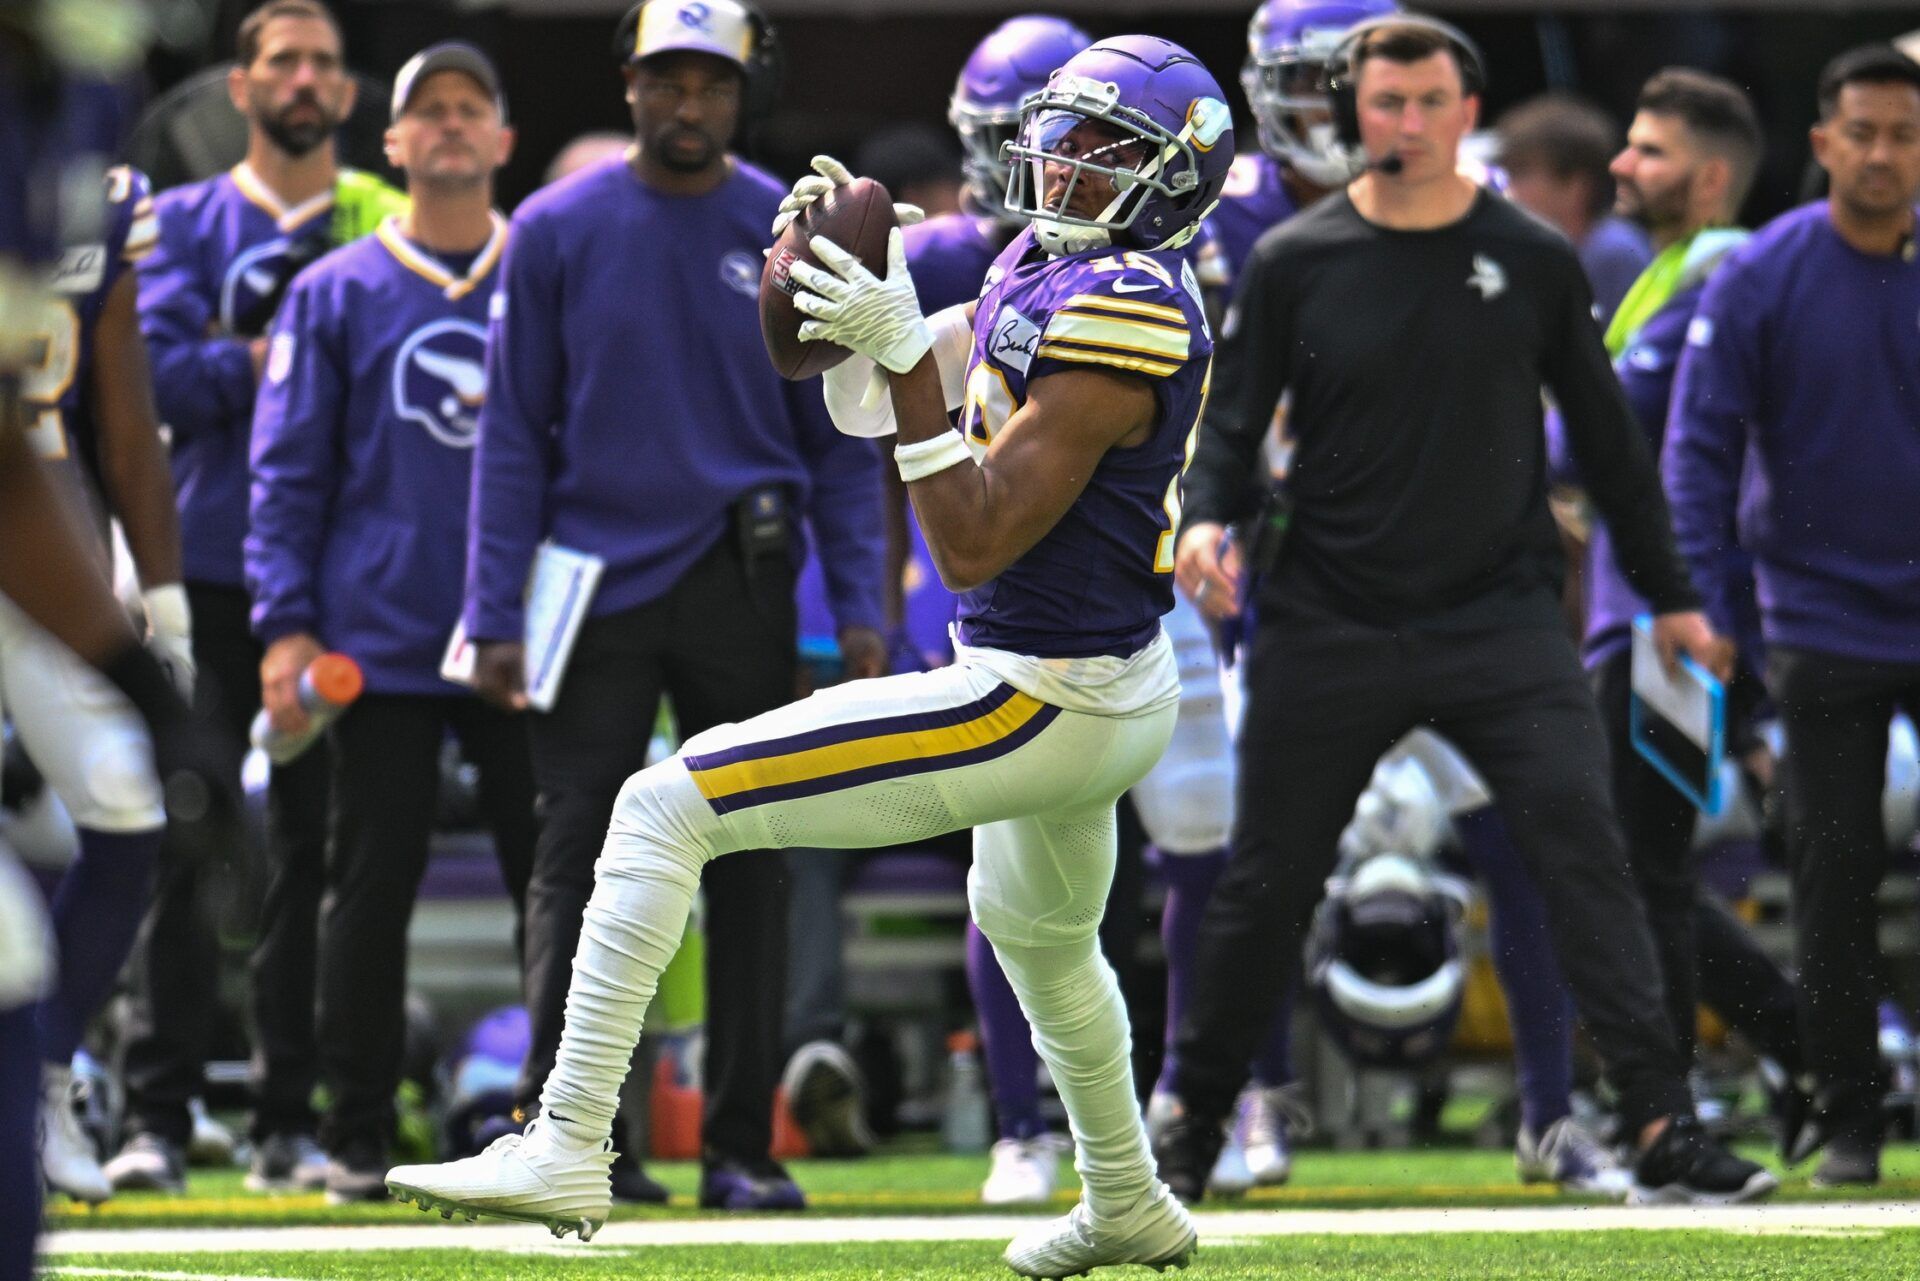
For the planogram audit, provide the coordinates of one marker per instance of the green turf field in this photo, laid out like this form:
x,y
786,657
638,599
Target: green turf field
x,y
922,1182
1568,1256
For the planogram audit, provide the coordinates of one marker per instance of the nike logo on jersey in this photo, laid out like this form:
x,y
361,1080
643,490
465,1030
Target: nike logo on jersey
x,y
1489,277
1122,287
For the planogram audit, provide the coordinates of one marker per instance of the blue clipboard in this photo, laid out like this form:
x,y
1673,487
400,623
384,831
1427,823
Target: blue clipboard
x,y
1678,722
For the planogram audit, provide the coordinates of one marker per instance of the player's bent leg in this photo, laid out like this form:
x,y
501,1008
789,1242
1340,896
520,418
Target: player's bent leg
x,y
871,763
94,752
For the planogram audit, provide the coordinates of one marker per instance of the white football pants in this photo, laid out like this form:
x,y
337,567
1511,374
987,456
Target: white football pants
x,y
81,732
878,762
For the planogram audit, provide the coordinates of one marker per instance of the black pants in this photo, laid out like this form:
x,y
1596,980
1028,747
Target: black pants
x,y
386,783
176,996
1705,954
721,646
1835,711
1326,696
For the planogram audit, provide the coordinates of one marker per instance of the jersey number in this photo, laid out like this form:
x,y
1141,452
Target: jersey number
x,y
1163,549
988,405
43,383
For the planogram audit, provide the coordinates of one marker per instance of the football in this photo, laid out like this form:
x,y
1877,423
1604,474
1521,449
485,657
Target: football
x,y
857,217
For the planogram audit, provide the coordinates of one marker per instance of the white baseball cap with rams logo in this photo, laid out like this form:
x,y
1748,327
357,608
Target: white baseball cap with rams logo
x,y
720,27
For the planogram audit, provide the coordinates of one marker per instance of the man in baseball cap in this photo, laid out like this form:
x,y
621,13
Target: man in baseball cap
x,y
448,55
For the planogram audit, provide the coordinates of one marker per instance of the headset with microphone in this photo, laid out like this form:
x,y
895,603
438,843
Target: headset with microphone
x,y
1343,71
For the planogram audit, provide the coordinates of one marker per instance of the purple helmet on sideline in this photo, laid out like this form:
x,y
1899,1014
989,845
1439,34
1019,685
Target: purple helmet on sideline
x,y
1284,78
1013,61
1383,962
1153,92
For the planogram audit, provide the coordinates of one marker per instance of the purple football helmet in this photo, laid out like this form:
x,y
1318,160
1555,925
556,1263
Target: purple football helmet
x,y
1167,166
1284,78
1013,61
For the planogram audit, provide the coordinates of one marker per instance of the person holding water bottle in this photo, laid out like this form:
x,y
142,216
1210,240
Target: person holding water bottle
x,y
362,456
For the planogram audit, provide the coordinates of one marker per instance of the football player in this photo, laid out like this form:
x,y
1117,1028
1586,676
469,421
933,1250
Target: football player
x,y
949,257
1079,373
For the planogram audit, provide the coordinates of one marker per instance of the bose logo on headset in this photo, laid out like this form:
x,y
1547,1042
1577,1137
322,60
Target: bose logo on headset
x,y
1342,71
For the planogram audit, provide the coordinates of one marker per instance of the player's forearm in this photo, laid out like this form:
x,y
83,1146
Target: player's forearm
x,y
953,505
140,490
133,461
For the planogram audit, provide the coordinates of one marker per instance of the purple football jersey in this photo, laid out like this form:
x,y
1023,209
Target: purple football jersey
x,y
1254,200
59,425
1100,579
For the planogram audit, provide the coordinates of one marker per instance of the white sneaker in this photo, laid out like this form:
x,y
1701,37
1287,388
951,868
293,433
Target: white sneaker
x,y
1230,1175
212,1143
1273,1117
531,1177
1567,1155
1154,1232
67,1158
1024,1171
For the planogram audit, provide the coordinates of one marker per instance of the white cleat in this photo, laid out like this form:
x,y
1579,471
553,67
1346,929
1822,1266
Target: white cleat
x,y
212,1143
1153,1232
1024,1171
1274,1115
531,1177
67,1158
1230,1175
1569,1156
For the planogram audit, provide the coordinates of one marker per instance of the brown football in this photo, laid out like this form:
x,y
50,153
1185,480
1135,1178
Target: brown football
x,y
857,217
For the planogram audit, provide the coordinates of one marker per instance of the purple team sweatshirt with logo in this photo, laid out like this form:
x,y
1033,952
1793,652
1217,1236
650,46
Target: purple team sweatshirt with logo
x,y
630,401
1795,432
363,455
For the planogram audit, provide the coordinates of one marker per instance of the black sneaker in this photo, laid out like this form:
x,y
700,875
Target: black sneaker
x,y
726,1184
148,1163
634,1185
1790,1103
1848,1164
357,1171
1686,1167
1185,1146
287,1163
828,1099
1831,1115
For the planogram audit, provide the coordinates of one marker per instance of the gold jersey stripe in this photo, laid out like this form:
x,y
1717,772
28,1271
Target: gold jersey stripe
x,y
1091,356
1152,340
1130,306
864,753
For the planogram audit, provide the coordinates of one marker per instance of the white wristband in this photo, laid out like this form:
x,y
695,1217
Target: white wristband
x,y
925,457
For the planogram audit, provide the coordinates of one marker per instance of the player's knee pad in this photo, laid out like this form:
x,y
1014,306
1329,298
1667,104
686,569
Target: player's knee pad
x,y
659,814
26,938
1008,920
118,790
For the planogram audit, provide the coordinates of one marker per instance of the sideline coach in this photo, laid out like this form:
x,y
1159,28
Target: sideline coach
x,y
1414,319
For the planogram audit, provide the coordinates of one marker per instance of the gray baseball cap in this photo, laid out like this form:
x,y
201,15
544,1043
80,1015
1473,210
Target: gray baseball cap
x,y
448,55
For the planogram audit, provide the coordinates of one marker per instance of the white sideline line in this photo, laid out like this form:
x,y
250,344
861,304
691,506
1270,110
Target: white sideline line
x,y
144,1275
1237,1225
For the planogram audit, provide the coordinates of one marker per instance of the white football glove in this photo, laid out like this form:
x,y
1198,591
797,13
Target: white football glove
x,y
170,634
827,174
858,310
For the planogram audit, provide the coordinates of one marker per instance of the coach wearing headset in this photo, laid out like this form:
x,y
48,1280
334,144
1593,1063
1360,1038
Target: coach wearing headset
x,y
631,413
1413,320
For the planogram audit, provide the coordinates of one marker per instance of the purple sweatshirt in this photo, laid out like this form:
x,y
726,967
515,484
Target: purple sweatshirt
x,y
225,244
1793,433
630,401
363,453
